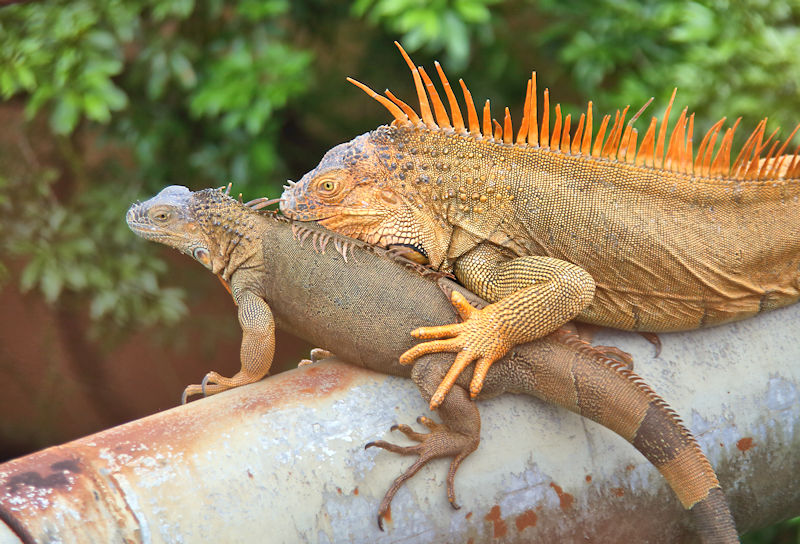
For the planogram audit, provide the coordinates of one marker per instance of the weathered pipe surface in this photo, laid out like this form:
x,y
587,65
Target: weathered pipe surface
x,y
283,460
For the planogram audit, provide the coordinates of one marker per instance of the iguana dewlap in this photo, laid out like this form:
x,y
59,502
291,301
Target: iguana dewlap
x,y
549,222
331,291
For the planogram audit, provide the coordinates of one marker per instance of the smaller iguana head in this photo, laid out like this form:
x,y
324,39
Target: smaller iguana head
x,y
358,190
170,218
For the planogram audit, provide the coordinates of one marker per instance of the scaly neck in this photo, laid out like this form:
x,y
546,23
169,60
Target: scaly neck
x,y
233,232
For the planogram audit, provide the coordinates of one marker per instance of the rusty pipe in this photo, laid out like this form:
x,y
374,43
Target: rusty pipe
x,y
283,460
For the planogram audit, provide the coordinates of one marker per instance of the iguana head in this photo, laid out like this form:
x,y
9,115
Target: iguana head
x,y
359,190
207,225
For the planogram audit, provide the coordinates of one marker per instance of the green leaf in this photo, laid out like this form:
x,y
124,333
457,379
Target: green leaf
x,y
65,114
116,99
7,85
51,283
102,304
25,77
96,108
472,11
30,275
101,39
183,70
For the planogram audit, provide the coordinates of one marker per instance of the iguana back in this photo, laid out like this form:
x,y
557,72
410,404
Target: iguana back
x,y
672,242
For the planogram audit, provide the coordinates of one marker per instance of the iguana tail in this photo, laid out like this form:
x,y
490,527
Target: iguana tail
x,y
634,411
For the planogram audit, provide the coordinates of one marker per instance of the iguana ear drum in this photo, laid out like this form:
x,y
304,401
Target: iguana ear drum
x,y
389,196
202,255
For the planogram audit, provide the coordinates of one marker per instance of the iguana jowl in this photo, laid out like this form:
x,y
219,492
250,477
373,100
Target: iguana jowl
x,y
548,224
337,299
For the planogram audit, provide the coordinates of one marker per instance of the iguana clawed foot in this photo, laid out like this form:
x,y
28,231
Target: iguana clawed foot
x,y
440,442
214,383
480,338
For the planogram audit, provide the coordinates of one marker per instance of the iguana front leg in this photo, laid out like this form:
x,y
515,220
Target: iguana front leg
x,y
258,346
532,296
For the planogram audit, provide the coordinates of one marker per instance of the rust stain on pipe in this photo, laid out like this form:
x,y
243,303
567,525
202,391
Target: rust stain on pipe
x,y
80,488
744,444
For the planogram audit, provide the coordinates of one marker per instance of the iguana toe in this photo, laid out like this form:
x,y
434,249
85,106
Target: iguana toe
x,y
204,388
317,354
190,391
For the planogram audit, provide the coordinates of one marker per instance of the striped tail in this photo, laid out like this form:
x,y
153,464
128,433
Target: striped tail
x,y
607,392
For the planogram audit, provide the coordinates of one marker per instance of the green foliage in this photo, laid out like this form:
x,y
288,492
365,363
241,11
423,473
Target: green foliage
x,y
726,58
439,25
193,99
190,95
126,96
786,532
64,251
248,82
65,57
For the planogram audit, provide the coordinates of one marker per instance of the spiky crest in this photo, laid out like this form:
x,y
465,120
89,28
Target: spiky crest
x,y
675,155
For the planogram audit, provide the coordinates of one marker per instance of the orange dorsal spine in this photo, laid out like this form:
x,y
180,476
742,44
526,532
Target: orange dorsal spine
x,y
659,148
487,120
526,114
438,108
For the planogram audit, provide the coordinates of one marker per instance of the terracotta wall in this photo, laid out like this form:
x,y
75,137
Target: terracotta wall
x,y
59,385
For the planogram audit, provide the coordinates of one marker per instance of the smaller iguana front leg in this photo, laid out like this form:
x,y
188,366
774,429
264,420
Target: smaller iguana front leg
x,y
531,297
258,346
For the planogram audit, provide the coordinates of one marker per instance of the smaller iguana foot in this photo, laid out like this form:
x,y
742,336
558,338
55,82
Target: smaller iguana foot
x,y
214,383
479,338
441,441
317,354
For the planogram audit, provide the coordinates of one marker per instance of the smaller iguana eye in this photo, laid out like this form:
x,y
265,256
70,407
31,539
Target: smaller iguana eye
x,y
328,185
161,216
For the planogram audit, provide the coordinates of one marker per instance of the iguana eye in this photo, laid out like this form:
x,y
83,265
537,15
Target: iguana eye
x,y
328,185
161,216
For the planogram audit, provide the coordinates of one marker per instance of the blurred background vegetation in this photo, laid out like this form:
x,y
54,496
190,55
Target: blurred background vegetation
x,y
107,101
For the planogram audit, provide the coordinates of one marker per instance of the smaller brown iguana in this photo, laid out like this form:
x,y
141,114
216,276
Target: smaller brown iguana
x,y
330,290
550,224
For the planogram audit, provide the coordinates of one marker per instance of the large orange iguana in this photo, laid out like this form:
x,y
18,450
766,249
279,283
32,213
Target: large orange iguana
x,y
549,224
337,299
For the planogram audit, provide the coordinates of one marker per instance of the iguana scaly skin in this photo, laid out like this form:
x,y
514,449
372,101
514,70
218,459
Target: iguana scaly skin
x,y
548,224
331,291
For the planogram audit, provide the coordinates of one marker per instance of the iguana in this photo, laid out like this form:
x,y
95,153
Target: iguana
x,y
331,291
550,224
